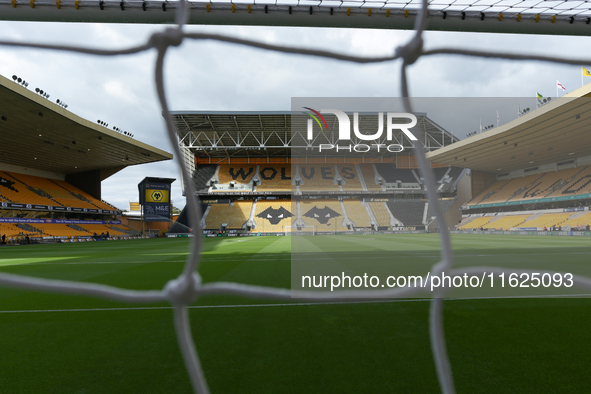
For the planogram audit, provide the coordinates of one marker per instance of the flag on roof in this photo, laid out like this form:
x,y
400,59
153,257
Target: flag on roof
x,y
560,86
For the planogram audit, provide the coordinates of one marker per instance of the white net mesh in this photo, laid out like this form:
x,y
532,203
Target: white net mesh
x,y
187,287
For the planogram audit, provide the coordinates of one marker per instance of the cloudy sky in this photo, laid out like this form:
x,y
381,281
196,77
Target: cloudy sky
x,y
215,76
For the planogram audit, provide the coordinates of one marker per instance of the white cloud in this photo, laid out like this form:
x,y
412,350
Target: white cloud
x,y
117,91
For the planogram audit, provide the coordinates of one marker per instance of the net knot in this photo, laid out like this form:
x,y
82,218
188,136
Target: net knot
x,y
412,50
169,37
182,290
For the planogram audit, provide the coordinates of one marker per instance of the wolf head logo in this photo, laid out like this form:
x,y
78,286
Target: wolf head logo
x,y
274,216
323,215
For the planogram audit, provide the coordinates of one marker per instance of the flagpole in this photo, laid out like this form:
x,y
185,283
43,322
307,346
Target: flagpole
x,y
557,88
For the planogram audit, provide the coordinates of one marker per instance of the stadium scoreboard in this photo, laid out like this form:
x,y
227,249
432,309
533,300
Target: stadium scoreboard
x,y
154,196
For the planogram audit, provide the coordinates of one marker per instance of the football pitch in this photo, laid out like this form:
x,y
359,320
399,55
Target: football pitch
x,y
68,344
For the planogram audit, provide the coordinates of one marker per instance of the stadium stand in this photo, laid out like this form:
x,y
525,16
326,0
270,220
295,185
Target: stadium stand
x,y
100,228
381,213
234,216
545,184
489,192
9,229
578,221
580,183
29,189
555,182
567,182
368,173
537,219
13,231
474,223
45,187
546,220
274,215
81,195
532,186
409,213
63,230
510,189
18,192
314,177
323,188
507,222
357,213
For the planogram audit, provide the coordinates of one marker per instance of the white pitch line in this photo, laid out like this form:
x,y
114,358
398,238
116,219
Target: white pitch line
x,y
292,258
142,308
93,262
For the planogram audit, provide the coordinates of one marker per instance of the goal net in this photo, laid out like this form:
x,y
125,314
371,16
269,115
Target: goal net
x,y
183,290
299,230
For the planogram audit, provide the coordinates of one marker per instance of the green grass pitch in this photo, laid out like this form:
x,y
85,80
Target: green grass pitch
x,y
64,344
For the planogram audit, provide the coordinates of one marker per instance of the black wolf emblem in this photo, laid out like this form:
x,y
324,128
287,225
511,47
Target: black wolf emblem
x,y
323,215
6,183
275,215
